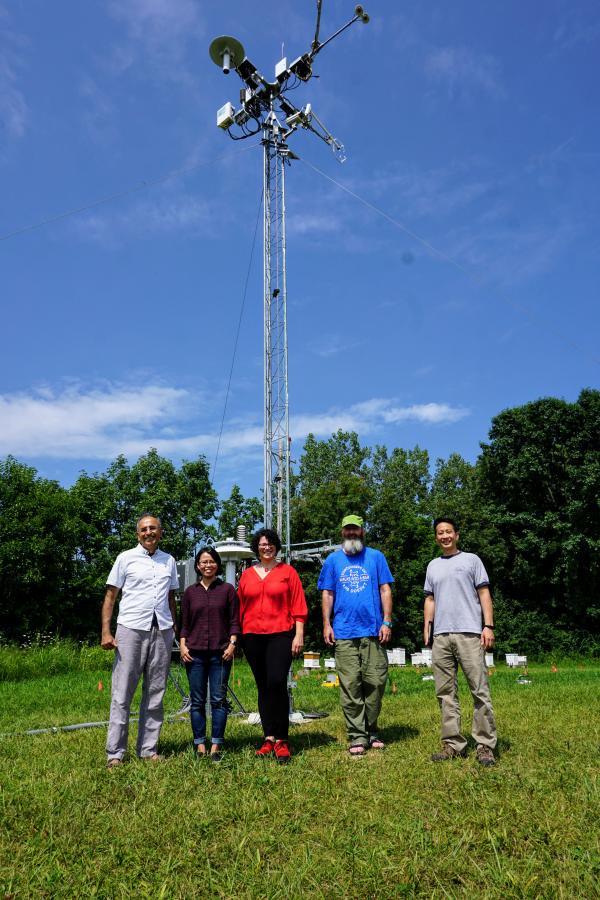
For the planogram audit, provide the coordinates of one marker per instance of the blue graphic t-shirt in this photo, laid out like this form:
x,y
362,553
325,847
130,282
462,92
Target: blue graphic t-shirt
x,y
355,582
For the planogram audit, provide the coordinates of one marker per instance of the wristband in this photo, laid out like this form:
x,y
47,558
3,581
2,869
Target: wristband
x,y
387,624
491,627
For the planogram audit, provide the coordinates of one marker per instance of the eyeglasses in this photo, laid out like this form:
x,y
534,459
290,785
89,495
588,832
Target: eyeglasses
x,y
264,546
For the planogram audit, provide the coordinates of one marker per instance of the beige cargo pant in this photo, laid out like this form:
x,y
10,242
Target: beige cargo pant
x,y
450,651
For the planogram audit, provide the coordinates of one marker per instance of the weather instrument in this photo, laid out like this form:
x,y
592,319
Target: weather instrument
x,y
265,109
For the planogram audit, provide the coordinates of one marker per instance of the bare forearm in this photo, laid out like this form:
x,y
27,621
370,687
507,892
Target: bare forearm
x,y
107,608
173,608
107,640
428,611
385,594
487,606
428,617
327,607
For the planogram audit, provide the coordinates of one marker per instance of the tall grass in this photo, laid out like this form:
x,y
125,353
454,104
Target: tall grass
x,y
42,656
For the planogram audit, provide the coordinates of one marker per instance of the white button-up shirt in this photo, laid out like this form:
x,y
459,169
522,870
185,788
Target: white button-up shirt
x,y
145,582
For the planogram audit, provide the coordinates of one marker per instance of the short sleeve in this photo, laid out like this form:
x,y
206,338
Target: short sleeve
x,y
428,586
384,574
116,577
174,576
326,580
480,576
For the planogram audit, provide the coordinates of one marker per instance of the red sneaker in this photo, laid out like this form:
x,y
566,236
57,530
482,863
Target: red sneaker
x,y
282,752
266,749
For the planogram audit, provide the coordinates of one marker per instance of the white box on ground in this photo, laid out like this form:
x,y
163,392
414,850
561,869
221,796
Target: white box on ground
x,y
489,660
397,656
416,659
515,659
329,662
312,661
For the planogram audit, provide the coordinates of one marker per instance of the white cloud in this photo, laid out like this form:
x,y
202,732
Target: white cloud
x,y
99,113
79,422
371,415
464,71
158,33
14,112
167,215
333,346
574,30
315,223
102,422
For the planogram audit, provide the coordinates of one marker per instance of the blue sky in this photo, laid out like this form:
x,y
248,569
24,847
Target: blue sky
x,y
447,270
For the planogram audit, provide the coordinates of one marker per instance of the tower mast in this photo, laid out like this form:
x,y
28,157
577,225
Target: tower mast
x,y
257,115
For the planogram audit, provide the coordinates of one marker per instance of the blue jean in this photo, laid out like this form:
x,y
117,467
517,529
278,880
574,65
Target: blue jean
x,y
208,666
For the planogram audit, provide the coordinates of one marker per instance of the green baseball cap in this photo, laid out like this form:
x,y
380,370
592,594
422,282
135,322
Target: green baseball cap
x,y
352,520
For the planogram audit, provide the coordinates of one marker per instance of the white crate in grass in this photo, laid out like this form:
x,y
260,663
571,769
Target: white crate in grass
x,y
416,659
397,656
426,654
312,660
489,660
329,662
515,659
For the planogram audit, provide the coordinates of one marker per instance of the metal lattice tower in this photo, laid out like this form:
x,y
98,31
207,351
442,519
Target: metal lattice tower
x,y
258,101
276,411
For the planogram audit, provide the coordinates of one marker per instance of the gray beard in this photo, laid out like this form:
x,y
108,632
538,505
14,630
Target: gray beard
x,y
352,546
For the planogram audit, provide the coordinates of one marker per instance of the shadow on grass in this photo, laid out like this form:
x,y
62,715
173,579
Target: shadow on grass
x,y
395,734
236,743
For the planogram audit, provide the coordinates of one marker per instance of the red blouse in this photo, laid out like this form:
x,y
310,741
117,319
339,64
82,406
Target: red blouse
x,y
271,604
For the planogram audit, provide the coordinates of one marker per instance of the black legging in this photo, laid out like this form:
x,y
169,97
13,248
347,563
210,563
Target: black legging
x,y
270,658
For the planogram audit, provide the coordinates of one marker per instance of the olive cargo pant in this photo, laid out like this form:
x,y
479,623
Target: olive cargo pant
x,y
362,667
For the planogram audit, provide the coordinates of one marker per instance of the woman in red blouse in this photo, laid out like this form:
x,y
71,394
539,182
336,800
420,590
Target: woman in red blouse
x,y
273,612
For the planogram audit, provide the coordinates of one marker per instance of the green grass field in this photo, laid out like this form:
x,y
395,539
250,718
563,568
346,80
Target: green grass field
x,y
390,825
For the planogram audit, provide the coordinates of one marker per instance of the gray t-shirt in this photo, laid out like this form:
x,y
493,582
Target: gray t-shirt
x,y
453,582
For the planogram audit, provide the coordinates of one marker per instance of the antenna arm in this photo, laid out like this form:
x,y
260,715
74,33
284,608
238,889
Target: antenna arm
x,y
315,43
317,47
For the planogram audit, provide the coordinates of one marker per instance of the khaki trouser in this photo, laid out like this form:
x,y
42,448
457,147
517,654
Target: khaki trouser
x,y
362,667
139,653
450,650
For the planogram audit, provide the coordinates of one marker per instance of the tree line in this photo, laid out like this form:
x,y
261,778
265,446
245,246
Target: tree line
x,y
529,506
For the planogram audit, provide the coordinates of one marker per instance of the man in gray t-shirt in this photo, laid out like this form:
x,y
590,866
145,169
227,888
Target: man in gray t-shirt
x,y
457,595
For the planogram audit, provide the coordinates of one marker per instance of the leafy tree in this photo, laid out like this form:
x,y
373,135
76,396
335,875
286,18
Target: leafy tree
x,y
106,507
37,548
400,527
333,480
239,510
540,474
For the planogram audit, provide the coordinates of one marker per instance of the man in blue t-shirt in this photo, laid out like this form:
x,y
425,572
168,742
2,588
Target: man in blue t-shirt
x,y
459,618
357,618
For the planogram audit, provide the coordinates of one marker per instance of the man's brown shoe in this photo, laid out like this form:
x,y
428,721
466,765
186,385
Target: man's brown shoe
x,y
447,752
485,756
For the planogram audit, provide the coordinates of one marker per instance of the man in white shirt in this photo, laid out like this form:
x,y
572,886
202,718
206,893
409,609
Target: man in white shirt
x,y
147,580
